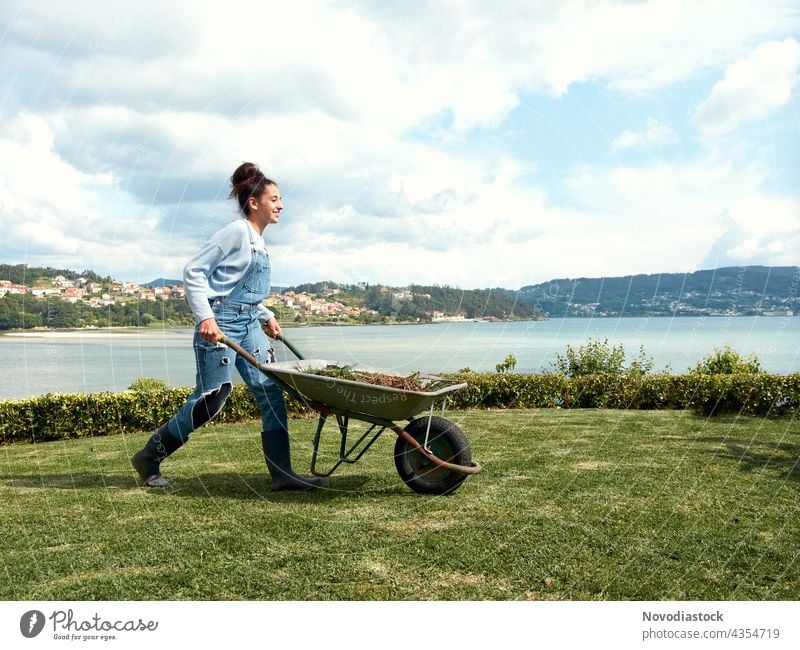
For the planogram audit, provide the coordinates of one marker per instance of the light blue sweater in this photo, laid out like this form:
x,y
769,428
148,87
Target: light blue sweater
x,y
218,267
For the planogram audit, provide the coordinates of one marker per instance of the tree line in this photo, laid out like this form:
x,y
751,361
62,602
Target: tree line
x,y
746,289
471,303
25,312
32,275
424,300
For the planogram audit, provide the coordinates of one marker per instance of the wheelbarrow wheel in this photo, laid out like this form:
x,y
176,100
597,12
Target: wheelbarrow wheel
x,y
447,442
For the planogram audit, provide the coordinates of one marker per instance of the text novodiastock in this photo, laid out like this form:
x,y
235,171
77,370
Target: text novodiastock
x,y
681,616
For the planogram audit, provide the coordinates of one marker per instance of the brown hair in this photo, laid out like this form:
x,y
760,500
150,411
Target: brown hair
x,y
248,180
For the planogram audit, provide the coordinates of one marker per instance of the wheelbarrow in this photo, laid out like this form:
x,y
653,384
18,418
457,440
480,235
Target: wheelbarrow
x,y
432,455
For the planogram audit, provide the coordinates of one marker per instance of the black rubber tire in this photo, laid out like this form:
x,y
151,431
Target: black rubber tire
x,y
447,442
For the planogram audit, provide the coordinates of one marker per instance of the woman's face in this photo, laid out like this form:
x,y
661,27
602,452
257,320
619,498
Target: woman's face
x,y
266,209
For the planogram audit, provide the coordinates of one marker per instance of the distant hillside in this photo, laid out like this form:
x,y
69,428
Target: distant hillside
x,y
419,302
31,275
730,291
735,291
473,303
163,282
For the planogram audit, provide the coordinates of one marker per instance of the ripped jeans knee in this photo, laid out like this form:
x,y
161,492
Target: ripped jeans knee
x,y
199,409
209,405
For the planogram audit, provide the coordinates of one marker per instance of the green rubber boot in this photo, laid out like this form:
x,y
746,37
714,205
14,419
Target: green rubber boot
x,y
276,453
147,461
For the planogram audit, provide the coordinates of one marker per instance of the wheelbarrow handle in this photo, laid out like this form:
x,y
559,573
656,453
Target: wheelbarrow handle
x,y
249,357
238,349
280,337
283,340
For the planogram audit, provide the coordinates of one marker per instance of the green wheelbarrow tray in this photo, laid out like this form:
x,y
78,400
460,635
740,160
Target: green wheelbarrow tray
x,y
432,455
358,397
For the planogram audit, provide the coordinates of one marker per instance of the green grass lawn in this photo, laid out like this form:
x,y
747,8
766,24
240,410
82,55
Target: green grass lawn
x,y
584,504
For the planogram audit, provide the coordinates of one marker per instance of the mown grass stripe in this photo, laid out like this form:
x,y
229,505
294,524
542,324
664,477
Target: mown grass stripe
x,y
584,504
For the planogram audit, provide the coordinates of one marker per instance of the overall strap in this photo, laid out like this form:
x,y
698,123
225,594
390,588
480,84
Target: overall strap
x,y
240,283
252,235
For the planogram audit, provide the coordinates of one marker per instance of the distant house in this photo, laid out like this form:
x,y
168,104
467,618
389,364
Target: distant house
x,y
72,294
40,292
62,282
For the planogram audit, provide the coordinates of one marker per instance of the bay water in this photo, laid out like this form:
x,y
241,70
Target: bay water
x,y
34,363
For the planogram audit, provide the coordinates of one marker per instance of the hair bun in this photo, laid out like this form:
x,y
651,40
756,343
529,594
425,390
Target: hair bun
x,y
244,173
248,180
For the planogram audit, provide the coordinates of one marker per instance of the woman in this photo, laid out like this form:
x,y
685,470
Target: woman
x,y
226,283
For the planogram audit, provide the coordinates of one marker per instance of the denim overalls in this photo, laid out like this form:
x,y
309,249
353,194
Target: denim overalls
x,y
237,316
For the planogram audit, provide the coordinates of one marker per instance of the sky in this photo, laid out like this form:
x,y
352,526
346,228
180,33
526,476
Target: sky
x,y
449,142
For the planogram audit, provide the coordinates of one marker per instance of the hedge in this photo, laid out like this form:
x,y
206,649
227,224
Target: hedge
x,y
63,416
749,394
60,416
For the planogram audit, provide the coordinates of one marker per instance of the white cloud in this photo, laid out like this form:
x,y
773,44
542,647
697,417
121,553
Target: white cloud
x,y
647,220
758,230
657,134
683,217
143,127
466,221
752,88
54,214
370,63
640,46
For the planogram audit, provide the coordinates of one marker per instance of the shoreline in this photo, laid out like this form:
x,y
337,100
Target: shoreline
x,y
491,373
133,329
37,362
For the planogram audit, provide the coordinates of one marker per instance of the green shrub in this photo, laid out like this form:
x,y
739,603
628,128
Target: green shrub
x,y
748,394
63,416
143,384
489,390
509,363
728,361
601,358
60,416
723,394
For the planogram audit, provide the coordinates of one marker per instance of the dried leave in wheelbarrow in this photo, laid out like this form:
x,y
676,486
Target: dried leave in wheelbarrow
x,y
411,382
